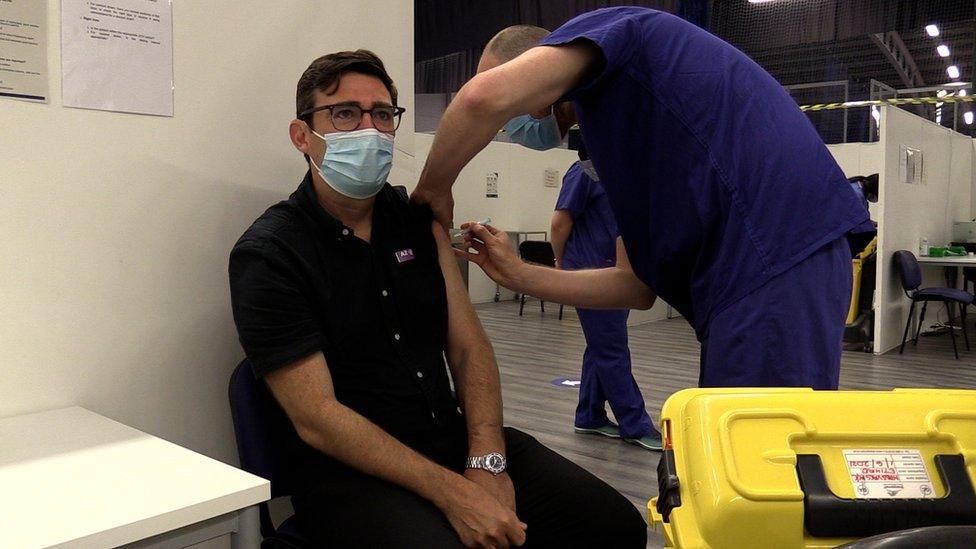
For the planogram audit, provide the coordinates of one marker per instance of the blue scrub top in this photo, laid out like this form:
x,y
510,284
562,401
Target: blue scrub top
x,y
592,242
859,192
717,181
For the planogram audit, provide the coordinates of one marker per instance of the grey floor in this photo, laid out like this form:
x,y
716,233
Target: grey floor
x,y
537,348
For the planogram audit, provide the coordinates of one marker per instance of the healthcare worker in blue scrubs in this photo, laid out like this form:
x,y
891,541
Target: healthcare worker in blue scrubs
x,y
583,235
729,205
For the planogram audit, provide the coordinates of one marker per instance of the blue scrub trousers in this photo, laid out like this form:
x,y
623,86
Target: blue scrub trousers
x,y
787,333
607,376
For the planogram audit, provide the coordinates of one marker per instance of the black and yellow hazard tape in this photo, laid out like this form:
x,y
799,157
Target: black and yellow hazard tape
x,y
895,101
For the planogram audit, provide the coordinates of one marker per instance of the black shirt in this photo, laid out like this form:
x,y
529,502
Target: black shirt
x,y
302,282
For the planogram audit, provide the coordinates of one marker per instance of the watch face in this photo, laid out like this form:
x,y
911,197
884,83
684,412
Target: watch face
x,y
495,463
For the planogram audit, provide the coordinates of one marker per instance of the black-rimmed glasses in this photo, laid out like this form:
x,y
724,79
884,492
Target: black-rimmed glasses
x,y
347,118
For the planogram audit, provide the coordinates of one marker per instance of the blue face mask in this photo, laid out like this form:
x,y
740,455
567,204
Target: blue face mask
x,y
357,163
540,134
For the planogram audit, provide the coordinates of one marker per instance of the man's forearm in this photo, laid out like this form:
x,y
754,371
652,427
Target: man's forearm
x,y
476,378
468,125
558,240
355,441
609,288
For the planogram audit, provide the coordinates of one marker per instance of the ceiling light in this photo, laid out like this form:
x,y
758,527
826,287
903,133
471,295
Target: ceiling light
x,y
943,50
933,30
953,71
968,117
963,93
941,93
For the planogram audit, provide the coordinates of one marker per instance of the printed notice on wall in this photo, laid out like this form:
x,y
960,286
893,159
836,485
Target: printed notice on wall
x,y
117,55
888,474
23,49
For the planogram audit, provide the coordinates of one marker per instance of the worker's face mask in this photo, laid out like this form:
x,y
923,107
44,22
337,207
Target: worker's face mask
x,y
357,163
589,170
540,134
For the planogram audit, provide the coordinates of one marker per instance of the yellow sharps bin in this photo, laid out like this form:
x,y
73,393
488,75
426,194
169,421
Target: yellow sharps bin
x,y
790,468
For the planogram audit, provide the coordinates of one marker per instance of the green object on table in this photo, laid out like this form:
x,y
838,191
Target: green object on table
x,y
951,251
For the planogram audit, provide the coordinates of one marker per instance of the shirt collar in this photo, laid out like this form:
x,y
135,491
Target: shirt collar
x,y
306,199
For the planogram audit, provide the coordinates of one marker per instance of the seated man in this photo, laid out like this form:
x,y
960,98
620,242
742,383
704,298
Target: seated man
x,y
347,300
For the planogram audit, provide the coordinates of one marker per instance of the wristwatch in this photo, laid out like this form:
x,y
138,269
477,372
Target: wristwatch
x,y
494,463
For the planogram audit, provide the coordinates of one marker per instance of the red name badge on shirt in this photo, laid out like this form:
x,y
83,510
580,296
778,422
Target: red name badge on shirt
x,y
404,255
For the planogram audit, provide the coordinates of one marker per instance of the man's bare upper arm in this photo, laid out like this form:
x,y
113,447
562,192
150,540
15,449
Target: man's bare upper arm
x,y
302,388
464,329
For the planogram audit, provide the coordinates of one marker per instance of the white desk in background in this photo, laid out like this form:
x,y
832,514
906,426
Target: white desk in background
x,y
951,274
73,478
958,261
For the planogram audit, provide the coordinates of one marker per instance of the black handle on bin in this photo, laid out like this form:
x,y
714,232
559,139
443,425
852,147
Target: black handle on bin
x,y
668,485
826,515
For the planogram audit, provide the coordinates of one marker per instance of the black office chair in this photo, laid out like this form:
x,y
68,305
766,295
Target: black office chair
x,y
911,279
540,253
261,428
969,277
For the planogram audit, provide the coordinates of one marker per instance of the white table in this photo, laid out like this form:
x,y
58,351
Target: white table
x,y
72,478
958,261
951,274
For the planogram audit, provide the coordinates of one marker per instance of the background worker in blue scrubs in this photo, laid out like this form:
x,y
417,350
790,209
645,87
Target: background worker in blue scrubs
x,y
583,237
729,205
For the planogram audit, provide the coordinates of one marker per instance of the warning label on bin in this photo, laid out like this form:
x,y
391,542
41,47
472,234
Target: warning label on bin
x,y
888,474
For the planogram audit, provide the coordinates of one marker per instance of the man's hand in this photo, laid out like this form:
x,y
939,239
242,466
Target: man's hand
x,y
499,486
442,204
494,254
479,518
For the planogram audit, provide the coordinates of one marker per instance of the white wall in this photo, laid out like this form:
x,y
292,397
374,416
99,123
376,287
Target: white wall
x,y
117,228
911,211
972,210
859,159
524,203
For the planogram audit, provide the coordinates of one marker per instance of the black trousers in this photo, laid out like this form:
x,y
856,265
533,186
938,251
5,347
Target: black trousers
x,y
562,504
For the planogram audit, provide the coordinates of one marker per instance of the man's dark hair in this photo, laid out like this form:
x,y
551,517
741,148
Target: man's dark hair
x,y
513,41
324,74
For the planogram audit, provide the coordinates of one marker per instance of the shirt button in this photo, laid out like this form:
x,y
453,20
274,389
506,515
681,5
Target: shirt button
x,y
420,374
385,293
345,232
396,337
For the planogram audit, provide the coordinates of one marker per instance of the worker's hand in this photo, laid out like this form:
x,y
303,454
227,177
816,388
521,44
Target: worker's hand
x,y
479,518
442,204
499,486
494,254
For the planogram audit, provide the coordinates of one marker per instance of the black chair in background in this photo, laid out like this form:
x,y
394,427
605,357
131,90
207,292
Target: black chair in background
x,y
261,428
911,279
540,253
969,277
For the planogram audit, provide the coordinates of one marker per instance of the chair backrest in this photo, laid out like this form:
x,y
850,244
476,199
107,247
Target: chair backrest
x,y
908,270
537,251
262,429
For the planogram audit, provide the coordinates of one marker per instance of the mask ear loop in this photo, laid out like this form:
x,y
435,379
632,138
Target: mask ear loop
x,y
308,158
